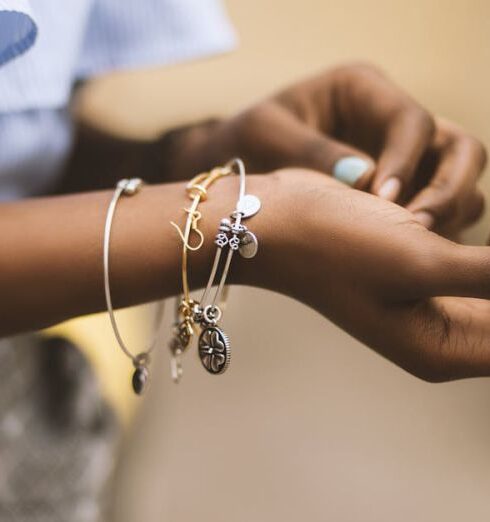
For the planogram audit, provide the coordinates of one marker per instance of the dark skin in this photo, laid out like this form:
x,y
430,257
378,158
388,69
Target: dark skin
x,y
348,110
364,262
357,110
414,297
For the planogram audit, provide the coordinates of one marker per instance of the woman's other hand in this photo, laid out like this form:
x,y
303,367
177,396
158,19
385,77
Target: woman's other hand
x,y
354,123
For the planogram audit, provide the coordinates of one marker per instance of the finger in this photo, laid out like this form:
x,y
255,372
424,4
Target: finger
x,y
457,270
435,339
407,137
443,200
447,339
433,266
282,140
474,208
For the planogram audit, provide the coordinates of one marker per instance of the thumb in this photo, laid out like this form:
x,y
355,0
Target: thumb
x,y
284,140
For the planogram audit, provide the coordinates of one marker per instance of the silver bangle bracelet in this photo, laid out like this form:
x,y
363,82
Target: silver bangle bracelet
x,y
214,346
127,187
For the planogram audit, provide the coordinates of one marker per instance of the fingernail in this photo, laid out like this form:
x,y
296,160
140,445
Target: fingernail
x,y
390,189
425,218
350,169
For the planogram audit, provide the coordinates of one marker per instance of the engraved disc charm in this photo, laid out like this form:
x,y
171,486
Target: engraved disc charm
x,y
248,245
248,205
214,350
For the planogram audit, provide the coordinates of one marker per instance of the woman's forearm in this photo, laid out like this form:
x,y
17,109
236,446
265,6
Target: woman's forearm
x,y
51,257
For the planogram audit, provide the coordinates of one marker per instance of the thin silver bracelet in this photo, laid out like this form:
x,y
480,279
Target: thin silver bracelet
x,y
214,346
128,187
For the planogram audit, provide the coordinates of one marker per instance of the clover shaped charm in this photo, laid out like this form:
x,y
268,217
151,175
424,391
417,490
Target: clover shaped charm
x,y
214,350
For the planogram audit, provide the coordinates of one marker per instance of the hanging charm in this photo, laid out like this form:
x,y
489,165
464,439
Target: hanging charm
x,y
176,352
183,333
233,236
141,373
214,350
248,245
248,205
139,381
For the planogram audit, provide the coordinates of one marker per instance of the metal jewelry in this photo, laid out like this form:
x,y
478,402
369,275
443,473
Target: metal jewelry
x,y
197,190
141,361
214,346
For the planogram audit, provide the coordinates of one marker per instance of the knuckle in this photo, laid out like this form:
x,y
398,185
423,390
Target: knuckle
x,y
417,266
479,151
424,264
427,122
315,151
423,120
443,201
433,352
473,149
249,126
475,208
254,116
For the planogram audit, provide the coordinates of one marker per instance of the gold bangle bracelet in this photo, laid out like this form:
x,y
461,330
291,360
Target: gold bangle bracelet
x,y
197,190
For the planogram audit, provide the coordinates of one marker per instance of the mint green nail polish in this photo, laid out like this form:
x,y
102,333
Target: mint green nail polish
x,y
350,169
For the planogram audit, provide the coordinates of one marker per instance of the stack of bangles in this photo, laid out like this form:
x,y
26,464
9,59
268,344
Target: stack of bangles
x,y
214,348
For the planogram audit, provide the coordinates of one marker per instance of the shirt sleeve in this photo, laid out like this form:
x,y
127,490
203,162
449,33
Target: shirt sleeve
x,y
18,30
135,33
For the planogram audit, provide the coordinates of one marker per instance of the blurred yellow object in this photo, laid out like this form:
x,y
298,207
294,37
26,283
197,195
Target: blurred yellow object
x,y
93,334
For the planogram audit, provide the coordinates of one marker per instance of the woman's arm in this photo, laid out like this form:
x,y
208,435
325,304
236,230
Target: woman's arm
x,y
365,263
51,255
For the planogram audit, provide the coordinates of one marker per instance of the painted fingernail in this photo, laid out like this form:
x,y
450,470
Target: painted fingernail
x,y
425,218
350,169
390,189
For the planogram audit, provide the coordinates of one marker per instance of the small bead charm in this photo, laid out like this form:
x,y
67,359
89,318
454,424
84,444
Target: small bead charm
x,y
133,186
225,225
140,379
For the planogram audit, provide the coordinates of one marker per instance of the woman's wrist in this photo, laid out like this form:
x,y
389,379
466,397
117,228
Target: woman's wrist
x,y
161,245
221,203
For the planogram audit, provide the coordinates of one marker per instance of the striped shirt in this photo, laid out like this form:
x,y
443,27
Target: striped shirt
x,y
47,45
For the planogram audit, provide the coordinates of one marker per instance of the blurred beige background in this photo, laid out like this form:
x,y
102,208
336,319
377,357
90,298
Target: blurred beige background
x,y
308,424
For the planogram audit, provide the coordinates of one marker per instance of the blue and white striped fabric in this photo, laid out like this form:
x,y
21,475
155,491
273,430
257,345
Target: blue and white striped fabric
x,y
46,45
18,29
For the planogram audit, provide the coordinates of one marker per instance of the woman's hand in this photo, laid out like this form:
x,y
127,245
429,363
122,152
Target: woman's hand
x,y
353,122
376,272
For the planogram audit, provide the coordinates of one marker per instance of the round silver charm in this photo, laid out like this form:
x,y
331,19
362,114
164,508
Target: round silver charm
x,y
248,205
248,245
214,350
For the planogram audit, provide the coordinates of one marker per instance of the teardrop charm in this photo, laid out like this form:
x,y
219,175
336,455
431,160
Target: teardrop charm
x,y
140,379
